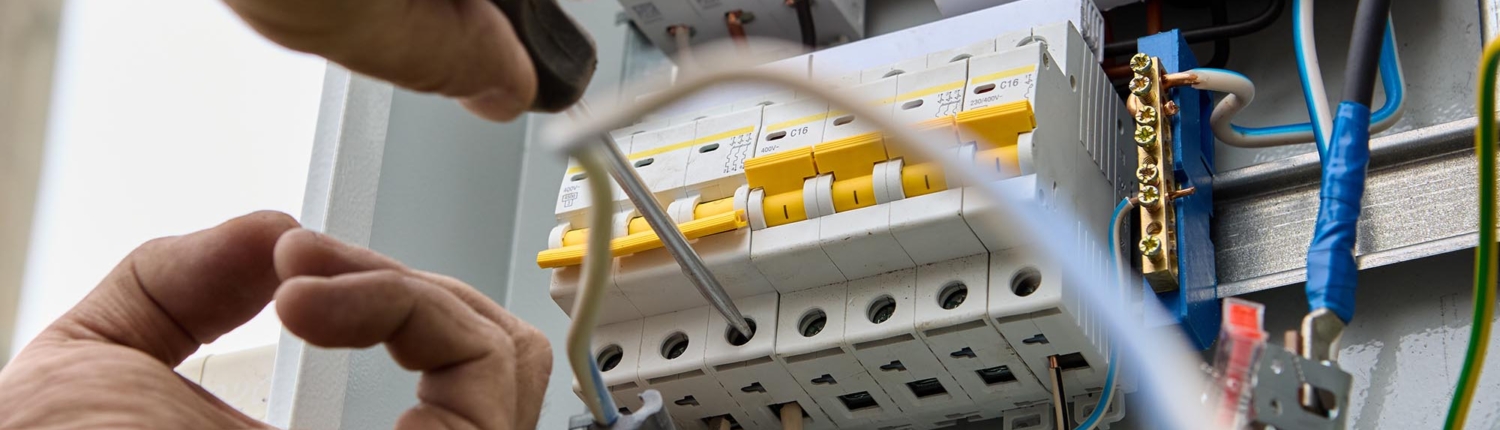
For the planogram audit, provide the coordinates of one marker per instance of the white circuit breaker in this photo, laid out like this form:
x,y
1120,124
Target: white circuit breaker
x,y
883,292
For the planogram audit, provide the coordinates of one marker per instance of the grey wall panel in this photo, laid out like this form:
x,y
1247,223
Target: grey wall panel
x,y
446,204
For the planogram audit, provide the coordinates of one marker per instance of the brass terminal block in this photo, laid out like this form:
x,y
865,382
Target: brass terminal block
x,y
1152,109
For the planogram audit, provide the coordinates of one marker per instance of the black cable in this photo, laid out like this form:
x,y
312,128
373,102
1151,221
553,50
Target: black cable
x,y
1364,50
805,21
1252,25
1220,12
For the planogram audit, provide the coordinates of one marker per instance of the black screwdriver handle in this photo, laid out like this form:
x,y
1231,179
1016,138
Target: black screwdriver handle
x,y
562,53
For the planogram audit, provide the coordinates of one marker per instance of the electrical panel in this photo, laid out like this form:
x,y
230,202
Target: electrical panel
x,y
835,21
881,290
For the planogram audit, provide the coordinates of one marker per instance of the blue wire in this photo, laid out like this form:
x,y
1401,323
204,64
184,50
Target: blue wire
x,y
1391,81
1114,360
606,402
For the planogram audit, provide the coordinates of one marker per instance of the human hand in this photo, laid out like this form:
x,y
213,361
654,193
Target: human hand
x,y
464,49
108,362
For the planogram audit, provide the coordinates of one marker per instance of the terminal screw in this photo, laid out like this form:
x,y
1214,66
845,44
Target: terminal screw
x,y
1140,63
1140,85
1151,246
1150,196
1146,115
1145,135
1146,174
1170,108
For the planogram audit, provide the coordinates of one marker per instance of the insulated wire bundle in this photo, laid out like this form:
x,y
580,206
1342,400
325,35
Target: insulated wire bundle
x,y
1485,263
1241,92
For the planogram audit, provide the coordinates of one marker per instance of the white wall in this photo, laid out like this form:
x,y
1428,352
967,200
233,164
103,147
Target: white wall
x,y
168,116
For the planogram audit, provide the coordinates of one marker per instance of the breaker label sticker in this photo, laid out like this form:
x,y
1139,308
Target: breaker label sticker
x,y
739,150
570,196
949,103
1002,90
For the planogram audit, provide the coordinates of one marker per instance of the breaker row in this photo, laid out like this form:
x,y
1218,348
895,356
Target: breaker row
x,y
917,348
848,229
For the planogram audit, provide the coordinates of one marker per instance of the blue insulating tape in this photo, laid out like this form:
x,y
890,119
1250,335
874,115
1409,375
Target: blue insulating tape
x,y
1331,272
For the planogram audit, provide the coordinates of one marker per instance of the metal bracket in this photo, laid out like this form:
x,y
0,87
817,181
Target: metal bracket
x,y
1279,383
651,416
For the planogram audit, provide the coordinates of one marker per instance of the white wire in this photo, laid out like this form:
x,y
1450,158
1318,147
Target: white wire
x,y
596,267
1169,367
1240,92
1312,72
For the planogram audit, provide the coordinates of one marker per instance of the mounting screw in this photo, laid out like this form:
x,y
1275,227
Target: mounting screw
x,y
1150,196
1140,63
1146,115
1145,135
1150,246
1140,85
1146,174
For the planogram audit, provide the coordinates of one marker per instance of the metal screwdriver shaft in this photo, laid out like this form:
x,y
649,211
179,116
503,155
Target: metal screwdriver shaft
x,y
671,238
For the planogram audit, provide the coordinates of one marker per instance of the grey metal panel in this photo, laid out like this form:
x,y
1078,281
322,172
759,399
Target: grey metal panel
x,y
445,204
307,383
1420,201
529,298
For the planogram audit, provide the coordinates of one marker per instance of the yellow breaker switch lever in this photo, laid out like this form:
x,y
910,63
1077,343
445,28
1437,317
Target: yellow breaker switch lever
x,y
995,129
920,175
708,219
852,161
780,177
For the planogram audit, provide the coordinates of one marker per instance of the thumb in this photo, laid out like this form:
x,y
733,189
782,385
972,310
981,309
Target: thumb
x,y
464,49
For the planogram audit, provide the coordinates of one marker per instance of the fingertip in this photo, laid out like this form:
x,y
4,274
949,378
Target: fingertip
x,y
358,310
302,252
294,252
497,104
272,221
251,237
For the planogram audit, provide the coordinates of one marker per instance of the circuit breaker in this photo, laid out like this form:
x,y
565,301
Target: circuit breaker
x,y
883,292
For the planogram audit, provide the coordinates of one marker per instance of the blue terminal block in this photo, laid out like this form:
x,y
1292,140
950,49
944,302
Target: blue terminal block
x,y
1195,303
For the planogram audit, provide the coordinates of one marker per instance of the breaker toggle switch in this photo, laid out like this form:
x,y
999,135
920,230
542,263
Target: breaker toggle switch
x,y
777,181
851,161
709,218
994,131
